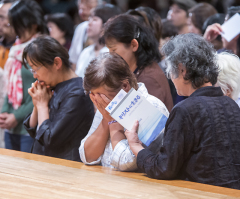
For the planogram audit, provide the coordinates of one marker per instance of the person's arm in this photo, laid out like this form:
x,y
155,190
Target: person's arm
x,y
33,118
212,32
173,152
95,144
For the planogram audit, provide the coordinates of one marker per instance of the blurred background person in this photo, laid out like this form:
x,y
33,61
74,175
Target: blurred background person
x,y
214,30
60,27
217,18
80,41
197,16
6,31
97,19
168,31
178,14
229,75
8,38
28,25
136,44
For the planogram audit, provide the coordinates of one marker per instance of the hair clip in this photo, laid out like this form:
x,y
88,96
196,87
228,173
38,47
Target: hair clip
x,y
138,34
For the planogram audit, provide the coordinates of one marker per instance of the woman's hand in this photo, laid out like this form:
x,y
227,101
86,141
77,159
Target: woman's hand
x,y
133,140
8,121
41,94
101,102
212,32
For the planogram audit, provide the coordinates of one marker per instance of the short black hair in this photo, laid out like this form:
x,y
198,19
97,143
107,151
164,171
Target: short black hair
x,y
106,11
63,22
124,28
168,29
43,50
25,13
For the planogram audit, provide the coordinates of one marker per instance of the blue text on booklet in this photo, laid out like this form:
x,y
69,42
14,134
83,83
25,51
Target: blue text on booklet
x,y
132,106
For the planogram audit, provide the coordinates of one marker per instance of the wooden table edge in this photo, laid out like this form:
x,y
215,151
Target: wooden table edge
x,y
133,175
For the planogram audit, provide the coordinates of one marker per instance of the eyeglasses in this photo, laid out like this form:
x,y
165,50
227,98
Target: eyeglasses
x,y
34,71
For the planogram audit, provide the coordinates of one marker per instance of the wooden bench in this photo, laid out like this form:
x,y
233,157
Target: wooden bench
x,y
24,175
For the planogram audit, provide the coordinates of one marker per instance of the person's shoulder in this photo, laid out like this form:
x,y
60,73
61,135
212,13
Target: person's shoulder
x,y
81,26
87,50
153,71
73,87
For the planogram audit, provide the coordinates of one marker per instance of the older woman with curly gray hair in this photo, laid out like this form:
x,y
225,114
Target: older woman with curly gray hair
x,y
201,141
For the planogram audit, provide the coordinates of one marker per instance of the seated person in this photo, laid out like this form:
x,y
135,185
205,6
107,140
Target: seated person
x,y
106,143
229,75
201,142
61,119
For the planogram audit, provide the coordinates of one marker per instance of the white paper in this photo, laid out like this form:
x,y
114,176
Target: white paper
x,y
231,28
110,107
135,107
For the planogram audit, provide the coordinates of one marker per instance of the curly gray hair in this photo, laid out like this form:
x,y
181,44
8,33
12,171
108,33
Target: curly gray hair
x,y
196,55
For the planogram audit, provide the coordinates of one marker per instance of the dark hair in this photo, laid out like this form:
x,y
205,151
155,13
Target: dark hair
x,y
217,18
108,69
25,13
184,4
124,28
43,50
150,18
63,22
200,13
196,55
232,11
106,11
7,1
168,29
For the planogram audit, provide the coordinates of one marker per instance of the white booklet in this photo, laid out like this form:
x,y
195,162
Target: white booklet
x,y
231,27
126,108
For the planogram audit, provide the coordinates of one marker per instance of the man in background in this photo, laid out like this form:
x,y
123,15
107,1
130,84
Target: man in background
x,y
178,14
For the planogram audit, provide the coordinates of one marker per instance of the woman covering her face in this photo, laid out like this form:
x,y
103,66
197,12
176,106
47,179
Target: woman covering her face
x,y
201,142
62,113
106,143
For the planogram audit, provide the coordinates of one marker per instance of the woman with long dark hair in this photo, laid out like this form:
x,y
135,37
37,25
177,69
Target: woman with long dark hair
x,y
136,44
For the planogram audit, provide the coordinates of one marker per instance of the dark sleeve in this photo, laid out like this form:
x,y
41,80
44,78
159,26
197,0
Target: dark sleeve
x,y
73,112
5,107
175,148
31,131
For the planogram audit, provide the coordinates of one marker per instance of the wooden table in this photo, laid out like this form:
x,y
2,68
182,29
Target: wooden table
x,y
24,175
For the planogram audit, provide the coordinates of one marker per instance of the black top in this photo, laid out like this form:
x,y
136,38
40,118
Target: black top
x,y
201,142
70,117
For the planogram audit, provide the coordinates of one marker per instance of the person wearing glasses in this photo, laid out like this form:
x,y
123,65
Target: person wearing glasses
x,y
27,25
62,113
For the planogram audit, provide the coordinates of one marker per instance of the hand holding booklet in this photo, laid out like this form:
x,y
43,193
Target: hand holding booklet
x,y
126,108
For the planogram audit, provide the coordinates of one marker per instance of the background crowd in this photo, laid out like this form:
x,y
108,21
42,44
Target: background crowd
x,y
61,42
